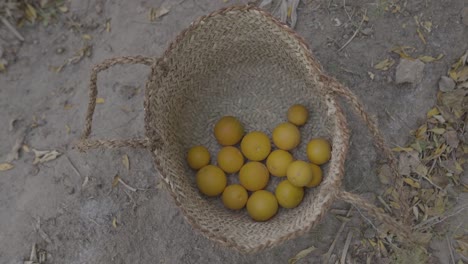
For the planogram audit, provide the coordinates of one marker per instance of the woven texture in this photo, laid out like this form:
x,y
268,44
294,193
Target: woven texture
x,y
240,61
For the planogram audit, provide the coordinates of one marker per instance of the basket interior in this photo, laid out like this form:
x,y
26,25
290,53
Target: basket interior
x,y
241,64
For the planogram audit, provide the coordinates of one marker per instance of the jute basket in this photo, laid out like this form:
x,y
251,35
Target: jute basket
x,y
240,61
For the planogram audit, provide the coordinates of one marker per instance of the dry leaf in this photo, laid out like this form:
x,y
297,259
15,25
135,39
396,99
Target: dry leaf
x,y
100,100
114,222
438,130
126,162
384,65
156,13
42,156
5,166
402,51
108,25
371,75
385,174
434,111
451,137
67,106
87,37
430,59
412,183
26,148
63,9
67,129
427,25
30,13
301,255
115,181
462,243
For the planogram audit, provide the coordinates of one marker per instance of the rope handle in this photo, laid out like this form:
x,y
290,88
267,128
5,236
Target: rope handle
x,y
396,227
85,143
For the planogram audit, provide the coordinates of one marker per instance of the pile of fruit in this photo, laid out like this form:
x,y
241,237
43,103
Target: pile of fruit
x,y
254,174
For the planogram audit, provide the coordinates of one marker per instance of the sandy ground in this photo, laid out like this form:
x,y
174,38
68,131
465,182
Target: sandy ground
x,y
51,205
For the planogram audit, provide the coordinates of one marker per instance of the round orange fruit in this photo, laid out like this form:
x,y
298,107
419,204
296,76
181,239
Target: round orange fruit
x,y
228,131
286,136
278,162
198,157
319,151
256,146
316,176
254,176
234,197
297,114
262,205
299,173
288,195
230,159
211,180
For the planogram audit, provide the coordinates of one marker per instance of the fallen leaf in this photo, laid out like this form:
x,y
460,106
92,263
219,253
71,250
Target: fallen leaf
x,y
67,106
399,149
114,222
115,181
434,111
408,161
451,137
5,166
87,37
100,100
430,59
42,156
26,148
30,13
385,174
452,166
301,254
412,183
421,36
108,25
438,130
427,25
384,65
126,162
371,75
63,9
67,129
402,51
156,13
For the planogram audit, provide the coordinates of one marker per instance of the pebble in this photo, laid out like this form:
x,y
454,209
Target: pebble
x,y
409,71
446,84
367,31
60,50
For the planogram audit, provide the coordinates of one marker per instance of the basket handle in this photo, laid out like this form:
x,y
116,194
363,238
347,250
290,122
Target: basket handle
x,y
85,143
396,227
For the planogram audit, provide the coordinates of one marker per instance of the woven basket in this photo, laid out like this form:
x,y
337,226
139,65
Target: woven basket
x,y
240,61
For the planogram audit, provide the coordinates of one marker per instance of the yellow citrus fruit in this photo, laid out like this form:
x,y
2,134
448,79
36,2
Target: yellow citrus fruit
x,y
230,159
198,157
254,176
256,146
316,176
319,151
234,197
286,136
299,173
211,180
278,162
228,131
297,114
262,205
288,195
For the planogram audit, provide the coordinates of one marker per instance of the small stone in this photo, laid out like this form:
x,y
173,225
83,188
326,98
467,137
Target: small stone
x,y
446,84
60,50
367,31
465,16
409,71
369,233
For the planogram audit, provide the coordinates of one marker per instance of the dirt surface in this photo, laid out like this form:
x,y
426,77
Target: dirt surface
x,y
69,213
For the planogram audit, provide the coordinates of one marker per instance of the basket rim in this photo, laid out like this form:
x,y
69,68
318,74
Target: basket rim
x,y
328,192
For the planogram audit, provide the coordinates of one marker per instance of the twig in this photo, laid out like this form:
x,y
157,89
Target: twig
x,y
11,28
367,219
450,249
381,200
355,32
73,166
346,247
344,7
433,184
127,186
326,256
428,223
33,255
